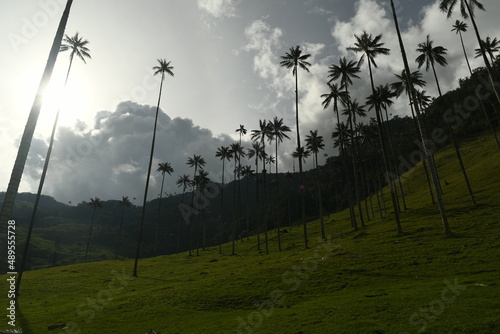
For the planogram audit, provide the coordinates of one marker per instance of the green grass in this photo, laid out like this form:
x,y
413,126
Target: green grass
x,y
365,281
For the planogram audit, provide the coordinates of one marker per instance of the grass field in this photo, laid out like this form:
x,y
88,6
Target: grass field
x,y
366,281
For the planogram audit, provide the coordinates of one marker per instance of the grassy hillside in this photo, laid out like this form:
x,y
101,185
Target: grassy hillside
x,y
365,281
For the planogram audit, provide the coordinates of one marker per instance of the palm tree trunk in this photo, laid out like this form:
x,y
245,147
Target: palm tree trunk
x,y
119,233
465,52
384,157
158,217
354,168
430,157
143,213
301,177
276,198
24,146
90,235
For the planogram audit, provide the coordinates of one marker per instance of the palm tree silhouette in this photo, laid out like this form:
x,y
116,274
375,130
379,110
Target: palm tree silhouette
x,y
295,59
237,151
278,133
490,46
435,54
421,125
183,181
259,154
78,47
163,167
200,182
224,154
467,10
29,129
162,68
401,86
124,203
371,47
95,203
314,143
459,27
197,162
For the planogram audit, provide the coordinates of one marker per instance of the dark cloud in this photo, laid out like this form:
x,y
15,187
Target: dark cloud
x,y
110,160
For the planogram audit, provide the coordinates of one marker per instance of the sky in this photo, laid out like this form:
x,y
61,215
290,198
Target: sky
x,y
225,55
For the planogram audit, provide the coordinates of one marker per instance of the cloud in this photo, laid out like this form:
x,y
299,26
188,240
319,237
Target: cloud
x,y
218,8
110,159
320,11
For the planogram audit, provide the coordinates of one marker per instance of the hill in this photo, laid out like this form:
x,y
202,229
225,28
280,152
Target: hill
x,y
366,281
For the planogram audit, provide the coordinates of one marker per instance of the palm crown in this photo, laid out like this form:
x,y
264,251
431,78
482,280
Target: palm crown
x,y
295,58
370,46
447,6
77,46
162,68
430,54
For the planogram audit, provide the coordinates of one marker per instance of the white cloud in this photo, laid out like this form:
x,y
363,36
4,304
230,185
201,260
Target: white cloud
x,y
218,8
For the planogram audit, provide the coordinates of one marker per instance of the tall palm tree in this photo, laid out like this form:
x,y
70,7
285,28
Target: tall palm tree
x,y
435,54
459,27
197,162
339,94
429,55
257,152
278,133
200,182
183,181
242,131
247,172
293,60
421,125
467,10
490,46
345,72
163,167
371,47
162,68
314,143
124,203
95,203
224,154
78,47
261,134
29,129
237,151
400,86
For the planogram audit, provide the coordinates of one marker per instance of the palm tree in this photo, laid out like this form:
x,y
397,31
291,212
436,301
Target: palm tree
x,y
278,133
183,181
346,71
337,94
294,59
78,47
247,172
421,125
163,167
242,131
490,46
237,151
371,47
197,162
200,182
261,134
162,68
95,203
124,203
459,27
401,86
467,8
431,55
224,154
259,154
314,143
29,129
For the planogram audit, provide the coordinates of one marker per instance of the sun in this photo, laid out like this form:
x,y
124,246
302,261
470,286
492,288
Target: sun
x,y
69,100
